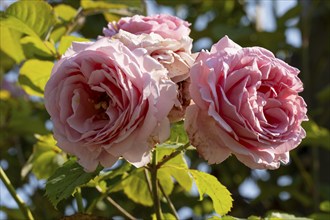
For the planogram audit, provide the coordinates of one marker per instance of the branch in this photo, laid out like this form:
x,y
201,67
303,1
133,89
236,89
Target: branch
x,y
22,206
116,205
154,186
174,154
169,202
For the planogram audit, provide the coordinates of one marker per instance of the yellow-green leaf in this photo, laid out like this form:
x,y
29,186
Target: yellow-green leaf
x,y
65,12
34,47
9,45
166,181
180,174
38,15
45,159
208,184
14,23
178,134
136,188
34,75
89,4
112,8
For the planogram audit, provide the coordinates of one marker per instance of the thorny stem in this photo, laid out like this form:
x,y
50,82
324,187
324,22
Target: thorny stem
x,y
154,186
169,202
22,206
116,205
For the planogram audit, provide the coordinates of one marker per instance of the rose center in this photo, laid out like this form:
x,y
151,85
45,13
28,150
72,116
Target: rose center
x,y
100,103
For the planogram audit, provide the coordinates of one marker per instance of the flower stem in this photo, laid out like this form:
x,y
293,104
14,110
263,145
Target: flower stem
x,y
79,200
22,206
146,175
154,186
174,154
116,205
169,202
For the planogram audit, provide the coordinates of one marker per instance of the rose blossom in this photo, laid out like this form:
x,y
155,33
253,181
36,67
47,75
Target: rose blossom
x,y
174,55
167,26
107,101
246,104
166,39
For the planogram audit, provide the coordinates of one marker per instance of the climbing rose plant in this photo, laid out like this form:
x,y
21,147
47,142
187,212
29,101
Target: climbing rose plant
x,y
125,108
115,98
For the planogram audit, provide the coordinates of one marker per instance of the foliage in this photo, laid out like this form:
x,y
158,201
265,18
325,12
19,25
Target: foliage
x,y
35,34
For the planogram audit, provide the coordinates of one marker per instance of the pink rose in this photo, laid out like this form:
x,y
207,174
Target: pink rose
x,y
107,101
167,26
174,55
166,39
246,104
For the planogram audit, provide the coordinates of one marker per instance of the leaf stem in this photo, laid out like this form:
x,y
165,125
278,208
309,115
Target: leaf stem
x,y
22,206
148,180
116,205
79,200
71,26
174,154
154,185
169,202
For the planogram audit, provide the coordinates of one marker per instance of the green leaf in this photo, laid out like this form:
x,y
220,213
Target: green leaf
x,y
112,10
34,47
66,42
165,181
89,4
180,174
136,188
178,134
45,158
9,45
6,63
34,75
38,15
64,181
176,167
112,178
65,12
14,23
165,150
122,169
58,32
208,184
325,206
